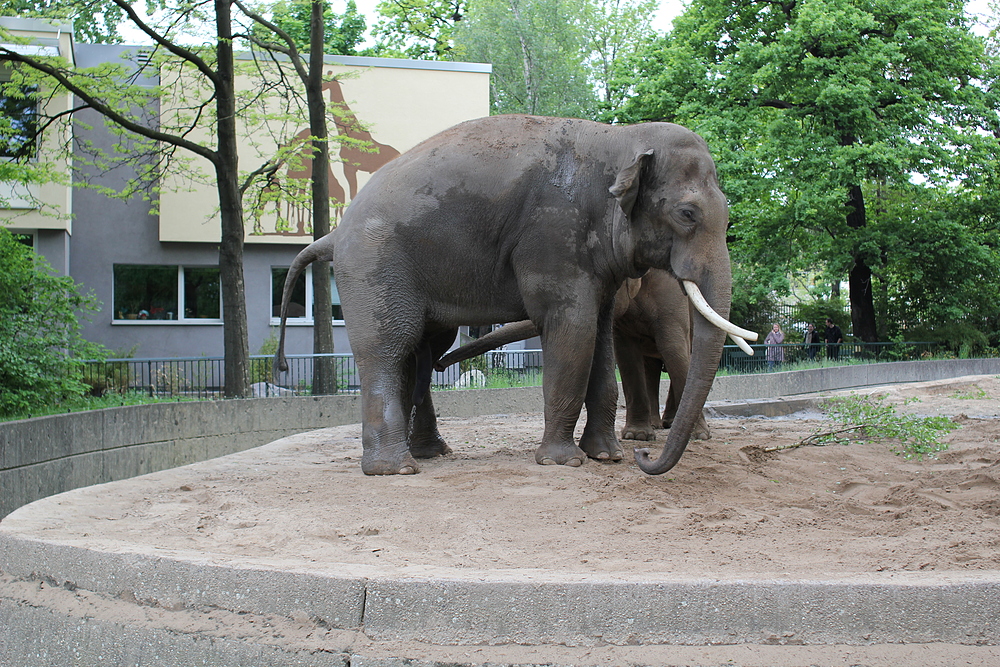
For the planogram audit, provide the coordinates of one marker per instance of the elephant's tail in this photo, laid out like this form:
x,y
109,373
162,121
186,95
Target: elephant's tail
x,y
507,334
321,249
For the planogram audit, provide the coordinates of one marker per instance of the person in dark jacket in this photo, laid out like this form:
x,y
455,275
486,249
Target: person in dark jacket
x,y
834,337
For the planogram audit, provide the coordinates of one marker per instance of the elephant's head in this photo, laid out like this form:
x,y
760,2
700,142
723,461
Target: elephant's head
x,y
677,217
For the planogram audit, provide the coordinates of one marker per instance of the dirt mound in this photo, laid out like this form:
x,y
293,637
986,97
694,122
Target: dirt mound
x,y
727,509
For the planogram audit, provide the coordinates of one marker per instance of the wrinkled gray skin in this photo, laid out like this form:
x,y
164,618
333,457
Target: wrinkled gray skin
x,y
652,332
509,218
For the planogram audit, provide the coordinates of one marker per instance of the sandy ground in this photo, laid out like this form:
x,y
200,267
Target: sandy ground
x,y
807,512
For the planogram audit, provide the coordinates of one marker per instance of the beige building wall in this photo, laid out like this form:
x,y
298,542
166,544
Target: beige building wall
x,y
47,205
391,105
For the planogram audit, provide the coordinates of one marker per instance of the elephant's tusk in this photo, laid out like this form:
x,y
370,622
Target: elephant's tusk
x,y
743,344
706,310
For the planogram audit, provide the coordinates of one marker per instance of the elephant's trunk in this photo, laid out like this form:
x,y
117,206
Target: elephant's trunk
x,y
507,334
706,351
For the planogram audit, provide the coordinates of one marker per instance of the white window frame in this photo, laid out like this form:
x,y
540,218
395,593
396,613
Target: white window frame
x,y
179,319
307,320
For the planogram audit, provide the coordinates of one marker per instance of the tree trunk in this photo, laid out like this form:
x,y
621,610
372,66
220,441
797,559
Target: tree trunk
x,y
324,369
862,298
234,313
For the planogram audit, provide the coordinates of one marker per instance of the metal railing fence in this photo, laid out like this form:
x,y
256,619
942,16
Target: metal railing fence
x,y
202,377
766,357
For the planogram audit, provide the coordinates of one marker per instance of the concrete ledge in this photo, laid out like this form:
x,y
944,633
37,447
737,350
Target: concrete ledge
x,y
589,613
48,455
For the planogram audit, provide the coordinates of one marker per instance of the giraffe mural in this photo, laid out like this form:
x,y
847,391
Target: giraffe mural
x,y
355,155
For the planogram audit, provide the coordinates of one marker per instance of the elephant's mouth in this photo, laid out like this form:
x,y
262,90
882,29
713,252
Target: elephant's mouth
x,y
739,336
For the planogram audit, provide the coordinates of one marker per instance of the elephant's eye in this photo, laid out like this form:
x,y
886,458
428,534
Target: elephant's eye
x,y
687,217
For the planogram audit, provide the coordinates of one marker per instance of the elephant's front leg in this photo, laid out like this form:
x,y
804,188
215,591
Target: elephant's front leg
x,y
568,346
599,440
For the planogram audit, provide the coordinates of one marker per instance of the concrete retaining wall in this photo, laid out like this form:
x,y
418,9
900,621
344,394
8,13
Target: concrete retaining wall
x,y
44,456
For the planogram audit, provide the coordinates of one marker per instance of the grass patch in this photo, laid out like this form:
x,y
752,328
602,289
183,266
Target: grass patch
x,y
84,403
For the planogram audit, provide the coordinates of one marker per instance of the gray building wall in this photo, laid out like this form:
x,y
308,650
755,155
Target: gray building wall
x,y
107,231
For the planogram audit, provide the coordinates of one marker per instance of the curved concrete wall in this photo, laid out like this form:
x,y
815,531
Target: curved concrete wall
x,y
44,456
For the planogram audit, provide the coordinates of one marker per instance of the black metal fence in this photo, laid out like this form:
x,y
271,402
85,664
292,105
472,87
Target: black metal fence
x,y
202,377
777,357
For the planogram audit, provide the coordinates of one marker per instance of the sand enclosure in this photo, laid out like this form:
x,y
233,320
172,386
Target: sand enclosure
x,y
807,512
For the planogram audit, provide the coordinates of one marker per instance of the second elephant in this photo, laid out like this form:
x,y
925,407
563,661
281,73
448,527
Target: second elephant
x,y
652,332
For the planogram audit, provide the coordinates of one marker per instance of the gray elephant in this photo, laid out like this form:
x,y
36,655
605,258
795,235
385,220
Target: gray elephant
x,y
652,331
510,218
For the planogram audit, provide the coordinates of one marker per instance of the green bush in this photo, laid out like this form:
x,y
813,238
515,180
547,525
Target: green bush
x,y
817,310
41,350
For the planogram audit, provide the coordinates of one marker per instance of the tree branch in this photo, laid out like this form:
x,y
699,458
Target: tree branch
x,y
170,46
62,77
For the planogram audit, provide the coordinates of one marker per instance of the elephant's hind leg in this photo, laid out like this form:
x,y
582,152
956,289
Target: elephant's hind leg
x,y
425,441
633,366
386,399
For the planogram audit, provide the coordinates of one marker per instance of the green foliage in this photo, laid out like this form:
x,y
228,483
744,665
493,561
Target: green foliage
x,y
342,32
84,403
420,29
537,52
870,417
817,310
40,345
804,102
261,370
93,22
110,376
549,57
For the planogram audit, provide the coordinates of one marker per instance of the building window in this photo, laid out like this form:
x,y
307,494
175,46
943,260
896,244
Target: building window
x,y
144,292
300,306
18,119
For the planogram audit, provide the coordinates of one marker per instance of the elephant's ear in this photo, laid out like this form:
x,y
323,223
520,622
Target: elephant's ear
x,y
626,187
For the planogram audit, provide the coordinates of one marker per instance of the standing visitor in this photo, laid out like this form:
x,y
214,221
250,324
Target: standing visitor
x,y
834,337
775,353
812,341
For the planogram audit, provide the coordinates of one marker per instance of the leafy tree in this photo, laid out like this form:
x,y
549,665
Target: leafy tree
x,y
341,33
420,29
537,50
811,104
309,71
108,90
40,345
93,23
614,31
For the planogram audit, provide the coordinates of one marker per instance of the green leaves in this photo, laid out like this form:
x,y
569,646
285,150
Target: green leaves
x,y
803,102
40,344
871,417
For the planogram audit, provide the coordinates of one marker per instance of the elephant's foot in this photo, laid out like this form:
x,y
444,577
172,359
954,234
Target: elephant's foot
x,y
701,431
428,446
639,432
605,448
564,454
379,463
